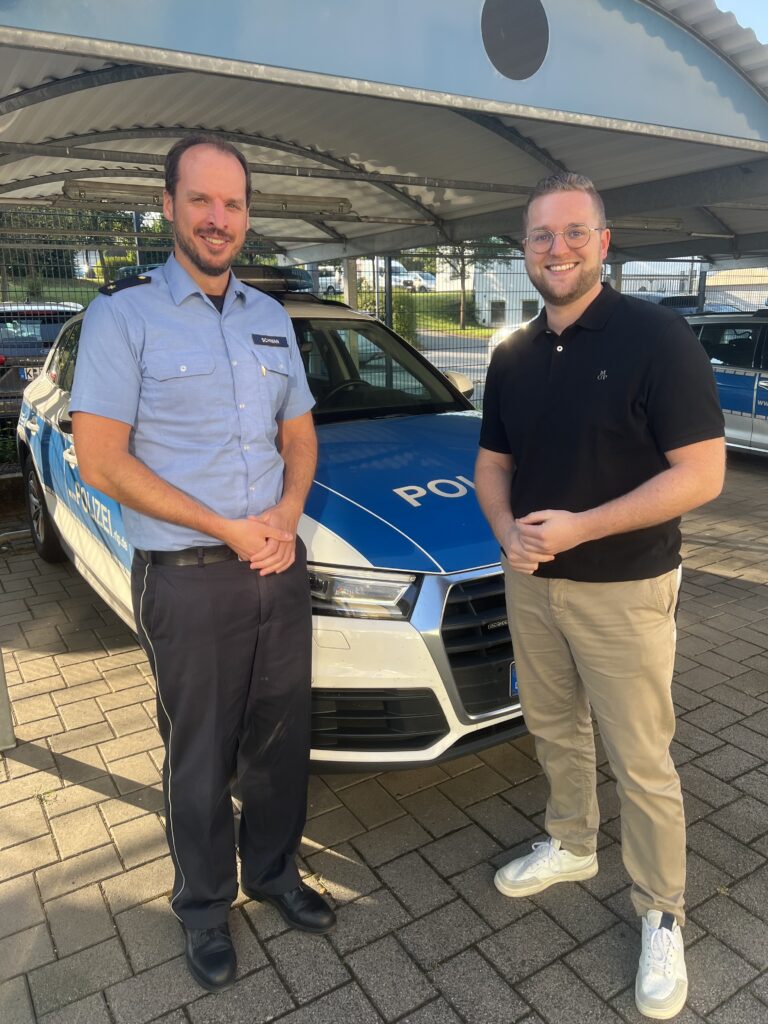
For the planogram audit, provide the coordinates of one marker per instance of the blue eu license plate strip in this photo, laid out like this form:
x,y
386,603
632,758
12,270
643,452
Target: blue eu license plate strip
x,y
512,680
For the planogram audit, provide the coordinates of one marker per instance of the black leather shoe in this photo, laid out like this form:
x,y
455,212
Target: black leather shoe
x,y
301,908
211,957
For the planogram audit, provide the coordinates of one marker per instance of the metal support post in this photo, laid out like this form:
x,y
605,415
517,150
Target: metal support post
x,y
388,291
350,282
702,290
7,738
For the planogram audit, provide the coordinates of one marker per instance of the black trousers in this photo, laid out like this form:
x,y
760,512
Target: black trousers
x,y
231,655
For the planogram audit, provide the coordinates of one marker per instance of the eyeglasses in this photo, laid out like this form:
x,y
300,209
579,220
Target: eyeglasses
x,y
575,237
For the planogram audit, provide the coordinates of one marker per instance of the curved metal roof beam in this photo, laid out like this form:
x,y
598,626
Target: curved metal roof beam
x,y
14,152
47,179
78,83
717,220
515,138
320,224
246,139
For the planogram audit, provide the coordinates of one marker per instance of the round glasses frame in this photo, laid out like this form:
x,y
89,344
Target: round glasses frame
x,y
575,237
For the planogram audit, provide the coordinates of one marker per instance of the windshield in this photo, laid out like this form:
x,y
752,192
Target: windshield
x,y
357,369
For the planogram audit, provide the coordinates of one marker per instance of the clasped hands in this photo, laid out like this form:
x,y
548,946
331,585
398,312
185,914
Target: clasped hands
x,y
266,541
539,536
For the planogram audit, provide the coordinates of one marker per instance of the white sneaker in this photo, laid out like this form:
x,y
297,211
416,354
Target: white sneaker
x,y
661,986
544,866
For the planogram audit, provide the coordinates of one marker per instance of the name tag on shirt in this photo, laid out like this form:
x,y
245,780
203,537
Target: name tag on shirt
x,y
270,340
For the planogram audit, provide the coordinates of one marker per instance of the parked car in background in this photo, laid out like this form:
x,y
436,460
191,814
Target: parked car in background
x,y
737,346
330,281
428,280
27,331
132,269
419,281
413,659
686,305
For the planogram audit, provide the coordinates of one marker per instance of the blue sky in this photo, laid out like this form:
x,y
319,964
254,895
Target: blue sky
x,y
750,14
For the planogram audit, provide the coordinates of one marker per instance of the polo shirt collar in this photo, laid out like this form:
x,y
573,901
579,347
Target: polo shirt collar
x,y
597,313
181,285
594,317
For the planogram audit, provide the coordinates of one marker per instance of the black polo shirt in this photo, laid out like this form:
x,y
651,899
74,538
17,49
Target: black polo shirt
x,y
587,416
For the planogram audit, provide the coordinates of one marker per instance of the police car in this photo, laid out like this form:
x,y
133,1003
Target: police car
x,y
412,658
737,346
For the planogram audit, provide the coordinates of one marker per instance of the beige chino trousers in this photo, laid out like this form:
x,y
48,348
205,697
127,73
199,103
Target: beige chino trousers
x,y
610,646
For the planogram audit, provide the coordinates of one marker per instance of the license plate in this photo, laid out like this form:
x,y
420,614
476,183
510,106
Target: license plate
x,y
512,680
29,372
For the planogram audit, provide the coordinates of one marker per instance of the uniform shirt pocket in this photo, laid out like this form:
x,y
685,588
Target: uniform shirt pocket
x,y
182,365
274,371
181,398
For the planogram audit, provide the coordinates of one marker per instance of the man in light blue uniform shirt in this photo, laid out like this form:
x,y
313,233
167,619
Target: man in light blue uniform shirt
x,y
191,408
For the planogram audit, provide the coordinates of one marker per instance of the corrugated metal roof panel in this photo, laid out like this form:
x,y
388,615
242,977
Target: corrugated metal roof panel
x,y
369,133
723,32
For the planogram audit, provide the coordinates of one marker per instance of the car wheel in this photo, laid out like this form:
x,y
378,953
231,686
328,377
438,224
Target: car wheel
x,y
44,536
330,290
422,288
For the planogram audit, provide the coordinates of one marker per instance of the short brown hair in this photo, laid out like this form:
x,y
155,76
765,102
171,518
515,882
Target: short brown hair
x,y
180,147
566,182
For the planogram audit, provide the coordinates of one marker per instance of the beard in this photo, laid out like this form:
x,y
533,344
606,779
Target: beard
x,y
206,265
590,276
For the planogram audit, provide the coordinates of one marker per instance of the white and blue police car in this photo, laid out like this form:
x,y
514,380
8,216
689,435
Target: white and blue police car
x,y
412,657
737,346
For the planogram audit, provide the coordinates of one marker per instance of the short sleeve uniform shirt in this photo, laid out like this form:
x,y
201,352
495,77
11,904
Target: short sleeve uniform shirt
x,y
203,392
587,417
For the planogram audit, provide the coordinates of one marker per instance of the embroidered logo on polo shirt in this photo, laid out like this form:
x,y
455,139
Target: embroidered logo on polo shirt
x,y
603,375
270,340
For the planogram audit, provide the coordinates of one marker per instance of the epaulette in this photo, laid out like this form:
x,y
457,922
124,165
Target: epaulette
x,y
126,282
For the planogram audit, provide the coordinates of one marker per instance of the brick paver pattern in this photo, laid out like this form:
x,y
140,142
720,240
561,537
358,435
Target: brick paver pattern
x,y
407,857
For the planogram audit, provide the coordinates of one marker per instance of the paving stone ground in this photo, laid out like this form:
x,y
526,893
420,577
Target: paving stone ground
x,y
86,935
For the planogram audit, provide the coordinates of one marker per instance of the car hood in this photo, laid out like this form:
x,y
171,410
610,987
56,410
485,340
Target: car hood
x,y
400,491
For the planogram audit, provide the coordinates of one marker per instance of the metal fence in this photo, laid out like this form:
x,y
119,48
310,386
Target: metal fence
x,y
453,302
52,263
456,303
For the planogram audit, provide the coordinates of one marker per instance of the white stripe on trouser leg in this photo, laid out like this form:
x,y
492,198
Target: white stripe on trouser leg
x,y
170,737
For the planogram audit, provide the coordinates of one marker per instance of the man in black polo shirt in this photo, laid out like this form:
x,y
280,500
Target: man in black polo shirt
x,y
601,427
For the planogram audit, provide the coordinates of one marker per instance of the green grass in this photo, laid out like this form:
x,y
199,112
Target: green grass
x,y
54,290
439,311
8,454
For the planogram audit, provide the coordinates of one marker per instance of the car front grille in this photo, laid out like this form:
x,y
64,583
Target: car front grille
x,y
384,720
475,633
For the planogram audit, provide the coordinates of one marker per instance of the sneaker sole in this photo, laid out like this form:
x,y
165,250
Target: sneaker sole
x,y
662,1012
538,884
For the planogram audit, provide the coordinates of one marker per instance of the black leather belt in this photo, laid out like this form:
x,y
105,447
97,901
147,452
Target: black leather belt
x,y
203,555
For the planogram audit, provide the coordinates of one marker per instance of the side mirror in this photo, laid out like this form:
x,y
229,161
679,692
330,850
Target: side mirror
x,y
461,382
65,420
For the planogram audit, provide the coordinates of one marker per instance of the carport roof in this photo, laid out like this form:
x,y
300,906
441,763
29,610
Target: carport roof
x,y
383,163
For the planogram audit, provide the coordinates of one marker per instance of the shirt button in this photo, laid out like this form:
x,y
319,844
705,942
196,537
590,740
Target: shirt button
x,y
183,369
559,348
246,447
252,487
234,362
241,405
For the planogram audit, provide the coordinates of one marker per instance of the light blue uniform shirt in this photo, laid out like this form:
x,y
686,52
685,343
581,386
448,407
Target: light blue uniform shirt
x,y
202,391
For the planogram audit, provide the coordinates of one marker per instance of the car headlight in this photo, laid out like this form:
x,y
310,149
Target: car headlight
x,y
364,595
